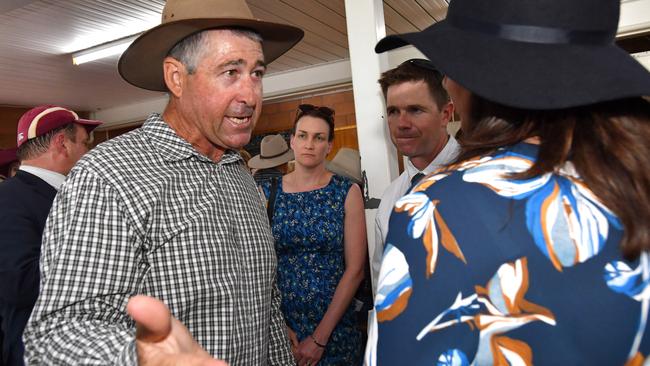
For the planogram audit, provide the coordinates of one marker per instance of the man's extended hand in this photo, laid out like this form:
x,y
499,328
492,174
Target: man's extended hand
x,y
163,340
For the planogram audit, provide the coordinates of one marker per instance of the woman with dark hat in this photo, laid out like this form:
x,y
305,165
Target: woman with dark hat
x,y
533,246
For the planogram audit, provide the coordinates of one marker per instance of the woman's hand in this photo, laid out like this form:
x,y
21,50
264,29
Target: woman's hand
x,y
294,342
161,339
309,353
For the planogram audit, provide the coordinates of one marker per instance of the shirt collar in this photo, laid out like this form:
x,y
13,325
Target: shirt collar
x,y
445,156
173,147
50,177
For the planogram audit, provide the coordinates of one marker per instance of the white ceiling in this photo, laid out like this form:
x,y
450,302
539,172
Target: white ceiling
x,y
37,38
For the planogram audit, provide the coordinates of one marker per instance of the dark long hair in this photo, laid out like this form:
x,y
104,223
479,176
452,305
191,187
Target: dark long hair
x,y
608,143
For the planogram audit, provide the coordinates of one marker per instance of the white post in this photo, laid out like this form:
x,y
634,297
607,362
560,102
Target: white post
x,y
365,25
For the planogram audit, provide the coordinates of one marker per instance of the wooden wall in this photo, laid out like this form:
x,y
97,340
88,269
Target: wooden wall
x,y
279,116
276,117
9,117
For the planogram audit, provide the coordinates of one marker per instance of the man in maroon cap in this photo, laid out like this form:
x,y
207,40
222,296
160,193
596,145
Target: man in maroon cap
x,y
50,141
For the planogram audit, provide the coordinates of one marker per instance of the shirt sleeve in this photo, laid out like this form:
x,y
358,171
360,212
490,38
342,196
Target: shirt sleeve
x,y
91,264
279,347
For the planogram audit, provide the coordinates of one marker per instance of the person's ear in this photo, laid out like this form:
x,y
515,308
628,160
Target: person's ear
x,y
59,143
447,113
174,73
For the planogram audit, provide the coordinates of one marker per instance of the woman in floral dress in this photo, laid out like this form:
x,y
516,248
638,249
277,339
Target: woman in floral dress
x,y
320,238
532,248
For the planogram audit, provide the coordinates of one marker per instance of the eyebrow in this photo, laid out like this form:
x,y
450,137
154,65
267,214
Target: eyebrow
x,y
315,133
392,106
240,62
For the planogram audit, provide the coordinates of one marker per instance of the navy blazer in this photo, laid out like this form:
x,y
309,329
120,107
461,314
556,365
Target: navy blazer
x,y
25,201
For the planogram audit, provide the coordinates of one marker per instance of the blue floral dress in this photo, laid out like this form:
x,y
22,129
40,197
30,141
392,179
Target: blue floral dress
x,y
482,269
308,232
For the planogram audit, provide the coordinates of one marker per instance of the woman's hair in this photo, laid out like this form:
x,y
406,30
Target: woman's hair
x,y
324,113
608,143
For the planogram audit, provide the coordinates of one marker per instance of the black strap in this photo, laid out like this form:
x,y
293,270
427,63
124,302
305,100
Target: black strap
x,y
270,206
531,33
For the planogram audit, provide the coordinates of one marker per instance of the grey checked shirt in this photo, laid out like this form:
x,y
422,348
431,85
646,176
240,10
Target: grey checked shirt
x,y
145,213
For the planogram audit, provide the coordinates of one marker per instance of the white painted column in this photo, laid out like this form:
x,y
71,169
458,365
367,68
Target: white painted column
x,y
365,26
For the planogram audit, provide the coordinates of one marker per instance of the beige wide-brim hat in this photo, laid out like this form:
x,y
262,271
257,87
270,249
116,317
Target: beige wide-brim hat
x,y
274,151
347,162
141,64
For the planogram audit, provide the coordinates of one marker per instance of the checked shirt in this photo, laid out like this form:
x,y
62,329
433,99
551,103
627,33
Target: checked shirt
x,y
145,213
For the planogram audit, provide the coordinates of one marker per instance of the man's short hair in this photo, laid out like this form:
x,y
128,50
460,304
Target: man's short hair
x,y
36,146
416,70
188,50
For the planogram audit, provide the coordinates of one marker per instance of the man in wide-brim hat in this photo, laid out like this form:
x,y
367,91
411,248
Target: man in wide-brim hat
x,y
170,211
273,160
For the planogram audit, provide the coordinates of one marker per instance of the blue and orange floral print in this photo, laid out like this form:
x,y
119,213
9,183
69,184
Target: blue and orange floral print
x,y
557,204
484,269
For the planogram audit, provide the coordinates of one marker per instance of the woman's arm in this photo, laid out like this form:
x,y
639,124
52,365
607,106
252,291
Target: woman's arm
x,y
356,251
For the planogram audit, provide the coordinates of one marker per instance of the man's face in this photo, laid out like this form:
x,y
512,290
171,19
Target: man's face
x,y
418,128
220,103
76,148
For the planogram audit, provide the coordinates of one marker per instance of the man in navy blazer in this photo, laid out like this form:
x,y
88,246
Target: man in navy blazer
x,y
50,141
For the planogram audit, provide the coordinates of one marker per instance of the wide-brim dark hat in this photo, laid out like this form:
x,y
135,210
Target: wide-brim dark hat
x,y
543,54
141,64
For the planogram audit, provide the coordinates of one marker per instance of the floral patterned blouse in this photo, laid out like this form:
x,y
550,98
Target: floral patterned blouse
x,y
481,269
308,232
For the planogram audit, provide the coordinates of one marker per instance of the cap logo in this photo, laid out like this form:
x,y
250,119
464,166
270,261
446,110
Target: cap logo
x,y
21,137
31,133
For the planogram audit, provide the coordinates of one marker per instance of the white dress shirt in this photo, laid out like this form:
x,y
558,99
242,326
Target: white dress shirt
x,y
52,178
395,191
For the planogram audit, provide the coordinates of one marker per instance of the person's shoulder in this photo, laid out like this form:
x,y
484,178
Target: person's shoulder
x,y
339,179
130,142
341,182
394,186
19,182
474,176
266,183
9,187
15,192
124,150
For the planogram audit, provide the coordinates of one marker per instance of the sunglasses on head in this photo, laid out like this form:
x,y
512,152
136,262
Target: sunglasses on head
x,y
423,64
325,112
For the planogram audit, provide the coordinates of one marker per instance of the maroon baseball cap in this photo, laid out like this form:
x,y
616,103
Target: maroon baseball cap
x,y
42,119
